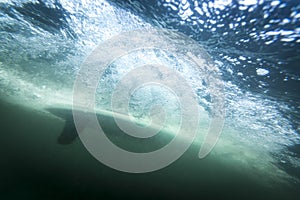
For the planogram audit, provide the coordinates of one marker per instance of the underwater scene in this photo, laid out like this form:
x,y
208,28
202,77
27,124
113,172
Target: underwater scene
x,y
150,99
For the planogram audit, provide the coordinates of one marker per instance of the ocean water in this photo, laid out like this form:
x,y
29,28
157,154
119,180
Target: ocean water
x,y
254,46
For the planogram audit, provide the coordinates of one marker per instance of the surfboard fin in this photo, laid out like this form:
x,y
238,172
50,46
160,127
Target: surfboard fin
x,y
69,133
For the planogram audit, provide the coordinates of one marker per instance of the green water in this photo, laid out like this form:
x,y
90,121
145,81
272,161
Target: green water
x,y
34,166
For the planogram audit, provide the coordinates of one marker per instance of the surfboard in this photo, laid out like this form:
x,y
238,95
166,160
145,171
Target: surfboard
x,y
107,121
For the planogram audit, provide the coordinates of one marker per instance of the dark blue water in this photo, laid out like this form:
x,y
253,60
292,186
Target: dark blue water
x,y
247,35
